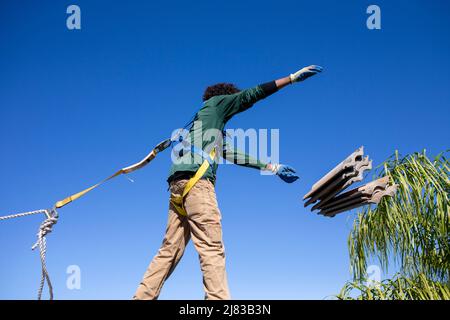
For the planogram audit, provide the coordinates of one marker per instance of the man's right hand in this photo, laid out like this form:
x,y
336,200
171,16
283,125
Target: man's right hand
x,y
305,73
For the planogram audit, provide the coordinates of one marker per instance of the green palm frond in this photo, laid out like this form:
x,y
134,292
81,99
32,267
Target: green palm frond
x,y
397,288
410,230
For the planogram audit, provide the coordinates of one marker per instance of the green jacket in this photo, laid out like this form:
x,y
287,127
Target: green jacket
x,y
214,114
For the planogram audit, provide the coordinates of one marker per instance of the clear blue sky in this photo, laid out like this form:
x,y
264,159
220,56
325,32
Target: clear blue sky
x,y
77,105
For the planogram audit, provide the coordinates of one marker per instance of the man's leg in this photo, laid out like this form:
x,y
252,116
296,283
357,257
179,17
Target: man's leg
x,y
172,249
206,231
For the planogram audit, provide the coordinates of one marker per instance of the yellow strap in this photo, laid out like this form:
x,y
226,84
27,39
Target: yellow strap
x,y
160,147
178,200
75,196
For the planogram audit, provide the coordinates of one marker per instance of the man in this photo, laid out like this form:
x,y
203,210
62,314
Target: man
x,y
200,218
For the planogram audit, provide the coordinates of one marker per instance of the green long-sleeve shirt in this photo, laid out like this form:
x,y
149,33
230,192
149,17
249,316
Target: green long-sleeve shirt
x,y
214,114
241,158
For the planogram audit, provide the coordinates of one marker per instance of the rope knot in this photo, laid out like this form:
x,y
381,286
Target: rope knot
x,y
44,229
46,226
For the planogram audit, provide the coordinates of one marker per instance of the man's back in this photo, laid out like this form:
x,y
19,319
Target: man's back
x,y
209,122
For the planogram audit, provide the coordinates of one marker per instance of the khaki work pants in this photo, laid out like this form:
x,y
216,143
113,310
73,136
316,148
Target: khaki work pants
x,y
203,225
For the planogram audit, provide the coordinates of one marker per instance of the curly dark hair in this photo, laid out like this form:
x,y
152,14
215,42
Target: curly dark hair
x,y
220,89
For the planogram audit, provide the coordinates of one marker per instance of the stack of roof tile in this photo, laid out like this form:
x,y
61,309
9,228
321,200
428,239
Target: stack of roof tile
x,y
327,194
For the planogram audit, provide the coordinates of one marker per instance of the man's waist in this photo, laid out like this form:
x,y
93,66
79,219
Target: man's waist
x,y
182,175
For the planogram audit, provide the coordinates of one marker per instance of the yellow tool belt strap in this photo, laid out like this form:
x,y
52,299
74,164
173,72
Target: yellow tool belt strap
x,y
178,200
160,147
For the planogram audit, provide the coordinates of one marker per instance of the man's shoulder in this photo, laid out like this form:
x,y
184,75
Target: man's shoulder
x,y
220,99
217,104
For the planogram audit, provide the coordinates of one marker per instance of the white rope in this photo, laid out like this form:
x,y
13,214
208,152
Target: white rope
x,y
18,215
44,229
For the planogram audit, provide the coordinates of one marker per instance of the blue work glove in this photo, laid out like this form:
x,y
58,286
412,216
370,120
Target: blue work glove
x,y
305,73
286,173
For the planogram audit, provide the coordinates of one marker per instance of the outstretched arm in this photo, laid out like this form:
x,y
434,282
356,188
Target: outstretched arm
x,y
243,100
235,156
286,173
